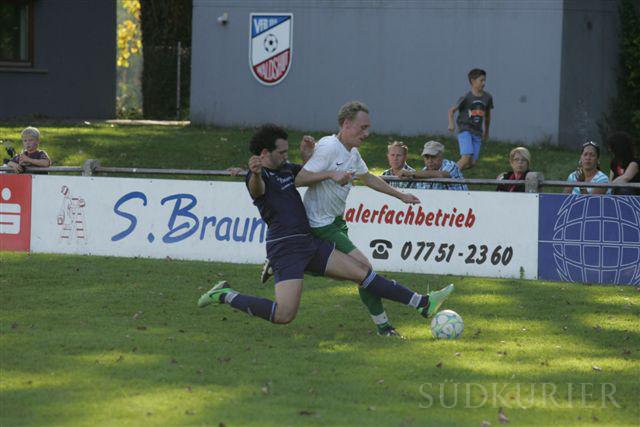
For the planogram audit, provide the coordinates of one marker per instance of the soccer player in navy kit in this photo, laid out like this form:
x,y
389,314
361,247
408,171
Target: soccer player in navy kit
x,y
292,249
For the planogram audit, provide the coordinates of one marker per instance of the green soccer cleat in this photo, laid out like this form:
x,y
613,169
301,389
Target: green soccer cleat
x,y
436,298
213,294
267,271
389,331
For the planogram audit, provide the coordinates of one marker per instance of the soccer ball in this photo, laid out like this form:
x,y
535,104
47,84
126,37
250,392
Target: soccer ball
x,y
447,324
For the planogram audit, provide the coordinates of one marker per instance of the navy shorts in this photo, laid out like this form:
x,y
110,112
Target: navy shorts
x,y
291,257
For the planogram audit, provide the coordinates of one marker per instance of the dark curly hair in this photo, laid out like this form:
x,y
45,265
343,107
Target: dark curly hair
x,y
265,137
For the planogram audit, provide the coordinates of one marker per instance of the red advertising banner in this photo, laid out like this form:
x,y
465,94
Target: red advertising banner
x,y
15,212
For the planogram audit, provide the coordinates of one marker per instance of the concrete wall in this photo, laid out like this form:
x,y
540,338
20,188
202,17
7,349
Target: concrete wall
x,y
590,40
407,59
74,72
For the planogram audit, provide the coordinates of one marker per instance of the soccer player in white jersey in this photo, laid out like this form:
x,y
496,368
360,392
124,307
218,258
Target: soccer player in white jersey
x,y
329,173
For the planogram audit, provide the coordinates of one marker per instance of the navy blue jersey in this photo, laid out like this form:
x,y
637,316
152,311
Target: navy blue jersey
x,y
281,205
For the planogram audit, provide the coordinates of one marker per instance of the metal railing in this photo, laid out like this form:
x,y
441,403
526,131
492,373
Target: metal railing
x,y
533,183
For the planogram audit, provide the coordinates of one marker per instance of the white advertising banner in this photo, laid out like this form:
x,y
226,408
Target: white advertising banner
x,y
451,232
203,220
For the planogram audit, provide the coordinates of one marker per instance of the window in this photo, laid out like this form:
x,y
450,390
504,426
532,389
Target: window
x,y
16,33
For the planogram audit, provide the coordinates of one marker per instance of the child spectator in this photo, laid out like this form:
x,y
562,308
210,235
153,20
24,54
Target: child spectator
x,y
30,156
474,112
625,166
588,171
436,166
520,160
397,153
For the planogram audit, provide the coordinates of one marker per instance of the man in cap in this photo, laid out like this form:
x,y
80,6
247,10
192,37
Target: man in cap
x,y
436,166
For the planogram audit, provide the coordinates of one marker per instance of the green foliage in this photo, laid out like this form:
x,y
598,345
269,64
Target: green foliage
x,y
98,341
625,110
164,23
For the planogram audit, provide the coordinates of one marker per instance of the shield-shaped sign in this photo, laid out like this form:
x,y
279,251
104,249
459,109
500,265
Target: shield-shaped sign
x,y
270,46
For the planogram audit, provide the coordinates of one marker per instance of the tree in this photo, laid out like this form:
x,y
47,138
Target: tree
x,y
164,24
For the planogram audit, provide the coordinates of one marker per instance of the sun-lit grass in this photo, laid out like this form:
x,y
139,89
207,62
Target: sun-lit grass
x,y
198,147
107,341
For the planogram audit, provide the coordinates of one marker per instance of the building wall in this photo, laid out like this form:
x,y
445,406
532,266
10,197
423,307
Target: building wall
x,y
407,59
589,60
74,72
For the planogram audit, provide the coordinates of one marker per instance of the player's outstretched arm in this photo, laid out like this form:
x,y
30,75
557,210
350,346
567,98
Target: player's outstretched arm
x,y
378,184
306,178
256,184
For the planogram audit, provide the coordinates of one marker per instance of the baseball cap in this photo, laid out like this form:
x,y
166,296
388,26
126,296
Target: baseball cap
x,y
432,148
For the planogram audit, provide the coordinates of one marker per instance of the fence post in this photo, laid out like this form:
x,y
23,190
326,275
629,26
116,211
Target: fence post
x,y
178,80
89,166
533,180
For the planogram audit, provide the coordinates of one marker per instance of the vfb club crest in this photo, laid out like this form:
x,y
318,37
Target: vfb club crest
x,y
270,46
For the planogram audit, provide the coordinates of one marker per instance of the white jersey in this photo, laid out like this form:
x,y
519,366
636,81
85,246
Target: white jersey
x,y
327,199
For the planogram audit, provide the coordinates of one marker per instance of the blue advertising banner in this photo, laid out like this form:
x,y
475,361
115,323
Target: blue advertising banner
x,y
589,239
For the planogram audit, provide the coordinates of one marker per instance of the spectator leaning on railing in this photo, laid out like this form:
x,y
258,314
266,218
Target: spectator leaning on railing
x,y
397,153
520,160
588,171
625,166
436,166
30,156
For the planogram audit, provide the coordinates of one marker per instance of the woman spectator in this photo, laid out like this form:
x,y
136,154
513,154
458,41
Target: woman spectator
x,y
588,171
520,159
625,166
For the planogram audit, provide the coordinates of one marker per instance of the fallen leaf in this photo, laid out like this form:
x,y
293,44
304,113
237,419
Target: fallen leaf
x,y
502,417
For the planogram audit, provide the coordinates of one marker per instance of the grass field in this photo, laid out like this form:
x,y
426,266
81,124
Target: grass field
x,y
195,147
120,342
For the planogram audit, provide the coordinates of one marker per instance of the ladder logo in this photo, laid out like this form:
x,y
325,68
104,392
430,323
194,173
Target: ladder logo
x,y
71,218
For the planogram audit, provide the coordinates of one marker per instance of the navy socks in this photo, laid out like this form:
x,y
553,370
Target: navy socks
x,y
390,289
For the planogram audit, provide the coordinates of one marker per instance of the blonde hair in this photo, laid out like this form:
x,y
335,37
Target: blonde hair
x,y
398,144
349,111
523,151
30,131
